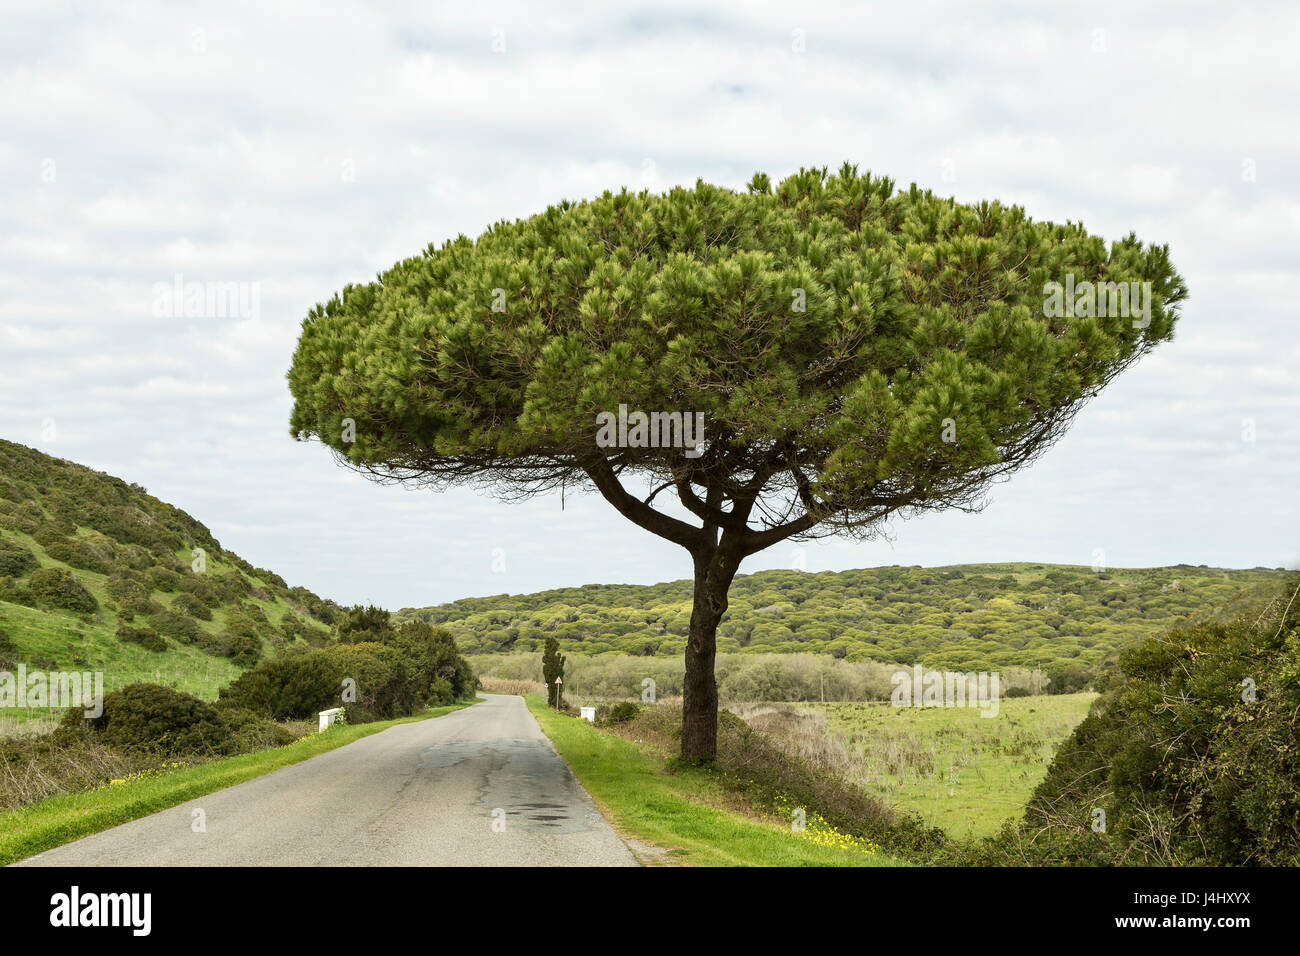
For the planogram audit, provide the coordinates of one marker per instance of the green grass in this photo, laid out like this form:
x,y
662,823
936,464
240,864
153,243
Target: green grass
x,y
70,816
76,644
88,642
685,812
962,772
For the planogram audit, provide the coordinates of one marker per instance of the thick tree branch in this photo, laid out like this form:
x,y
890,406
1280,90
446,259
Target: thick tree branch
x,y
637,511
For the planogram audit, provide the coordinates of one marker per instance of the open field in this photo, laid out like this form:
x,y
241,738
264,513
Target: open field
x,y
962,772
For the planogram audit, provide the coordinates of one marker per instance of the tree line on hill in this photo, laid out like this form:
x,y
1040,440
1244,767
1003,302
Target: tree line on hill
x,y
1065,621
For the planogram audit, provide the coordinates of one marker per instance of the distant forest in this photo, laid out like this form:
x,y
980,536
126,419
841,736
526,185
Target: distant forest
x,y
1055,618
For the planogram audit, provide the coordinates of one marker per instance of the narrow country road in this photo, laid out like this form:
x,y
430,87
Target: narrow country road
x,y
419,794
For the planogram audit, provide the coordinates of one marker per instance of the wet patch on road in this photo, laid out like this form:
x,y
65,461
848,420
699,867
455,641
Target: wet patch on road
x,y
534,787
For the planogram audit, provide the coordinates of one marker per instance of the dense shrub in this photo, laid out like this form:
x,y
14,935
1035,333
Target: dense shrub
x,y
294,627
163,579
243,650
1190,752
15,560
189,604
136,558
621,712
50,533
291,686
248,731
231,586
16,522
16,592
131,591
418,667
201,586
241,641
94,553
740,677
323,610
441,675
972,617
176,626
59,588
153,718
382,678
365,624
144,637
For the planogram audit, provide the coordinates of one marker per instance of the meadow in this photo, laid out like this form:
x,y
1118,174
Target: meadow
x,y
959,771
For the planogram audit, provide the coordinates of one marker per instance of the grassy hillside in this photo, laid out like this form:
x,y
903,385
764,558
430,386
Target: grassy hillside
x,y
1062,619
98,575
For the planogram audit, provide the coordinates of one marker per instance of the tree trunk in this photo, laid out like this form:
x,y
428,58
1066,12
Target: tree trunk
x,y
714,570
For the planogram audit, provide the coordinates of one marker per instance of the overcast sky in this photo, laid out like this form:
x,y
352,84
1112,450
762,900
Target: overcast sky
x,y
299,150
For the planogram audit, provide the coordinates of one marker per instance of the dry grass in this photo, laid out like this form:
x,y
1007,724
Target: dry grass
x,y
802,732
36,766
504,685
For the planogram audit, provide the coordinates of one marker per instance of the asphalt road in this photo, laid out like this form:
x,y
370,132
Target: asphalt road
x,y
479,787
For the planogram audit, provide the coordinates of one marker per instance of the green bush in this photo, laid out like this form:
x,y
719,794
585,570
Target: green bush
x,y
15,522
176,626
94,553
16,592
621,712
202,588
249,731
383,681
59,588
365,624
50,533
15,560
419,667
145,638
440,673
290,686
131,591
155,719
164,579
188,604
1190,751
243,650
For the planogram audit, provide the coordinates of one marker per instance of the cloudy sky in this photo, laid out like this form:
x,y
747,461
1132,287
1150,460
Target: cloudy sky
x,y
290,151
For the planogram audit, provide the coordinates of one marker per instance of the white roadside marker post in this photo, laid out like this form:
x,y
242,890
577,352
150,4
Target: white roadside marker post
x,y
559,681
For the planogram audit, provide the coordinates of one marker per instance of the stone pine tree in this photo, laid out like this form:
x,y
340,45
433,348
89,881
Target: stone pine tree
x,y
553,667
857,352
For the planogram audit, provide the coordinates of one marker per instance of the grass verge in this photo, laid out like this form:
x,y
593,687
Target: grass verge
x,y
684,813
70,816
